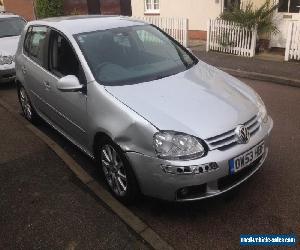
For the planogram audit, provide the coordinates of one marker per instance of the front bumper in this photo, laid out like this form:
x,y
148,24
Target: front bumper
x,y
155,182
7,73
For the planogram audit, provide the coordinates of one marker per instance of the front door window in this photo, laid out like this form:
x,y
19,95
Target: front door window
x,y
62,58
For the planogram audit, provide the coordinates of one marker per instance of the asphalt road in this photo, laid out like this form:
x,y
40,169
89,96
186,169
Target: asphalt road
x,y
43,205
268,203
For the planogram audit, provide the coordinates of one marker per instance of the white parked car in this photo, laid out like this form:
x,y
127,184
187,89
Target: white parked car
x,y
11,27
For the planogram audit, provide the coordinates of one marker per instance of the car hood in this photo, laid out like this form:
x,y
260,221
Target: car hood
x,y
9,45
202,101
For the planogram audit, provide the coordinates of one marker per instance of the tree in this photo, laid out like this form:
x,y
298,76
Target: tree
x,y
249,17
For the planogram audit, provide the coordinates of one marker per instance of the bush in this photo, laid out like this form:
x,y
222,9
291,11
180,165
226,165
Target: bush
x,y
248,17
49,8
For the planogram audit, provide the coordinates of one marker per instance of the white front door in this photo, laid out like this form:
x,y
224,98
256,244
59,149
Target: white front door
x,y
288,10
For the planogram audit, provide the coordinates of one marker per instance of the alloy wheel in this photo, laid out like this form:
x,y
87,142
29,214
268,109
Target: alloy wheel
x,y
114,170
25,103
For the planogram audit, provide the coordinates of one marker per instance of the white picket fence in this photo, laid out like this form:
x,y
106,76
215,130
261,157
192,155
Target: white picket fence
x,y
174,26
292,49
230,38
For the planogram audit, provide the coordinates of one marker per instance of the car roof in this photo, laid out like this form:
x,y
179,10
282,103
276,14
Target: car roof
x,y
7,15
86,23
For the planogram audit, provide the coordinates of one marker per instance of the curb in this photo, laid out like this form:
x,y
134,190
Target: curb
x,y
263,77
128,217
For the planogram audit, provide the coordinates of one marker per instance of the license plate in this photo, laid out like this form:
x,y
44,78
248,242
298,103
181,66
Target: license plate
x,y
238,163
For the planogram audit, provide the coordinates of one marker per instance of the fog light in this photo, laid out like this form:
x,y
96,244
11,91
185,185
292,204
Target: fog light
x,y
183,192
189,170
213,166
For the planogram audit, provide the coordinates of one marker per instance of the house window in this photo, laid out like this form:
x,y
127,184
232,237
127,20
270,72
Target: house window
x,y
152,6
230,4
289,6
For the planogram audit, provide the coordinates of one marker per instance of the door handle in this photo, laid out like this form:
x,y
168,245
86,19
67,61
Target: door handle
x,y
47,85
24,70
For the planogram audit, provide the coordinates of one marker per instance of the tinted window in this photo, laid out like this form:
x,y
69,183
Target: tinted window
x,y
62,59
294,6
11,26
230,4
291,6
283,6
133,54
34,43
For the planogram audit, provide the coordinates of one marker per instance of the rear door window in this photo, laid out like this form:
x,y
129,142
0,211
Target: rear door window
x,y
34,45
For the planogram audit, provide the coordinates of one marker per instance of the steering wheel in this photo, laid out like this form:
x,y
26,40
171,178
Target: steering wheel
x,y
111,70
100,66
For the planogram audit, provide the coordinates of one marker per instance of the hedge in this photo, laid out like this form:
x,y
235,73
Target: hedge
x,y
49,8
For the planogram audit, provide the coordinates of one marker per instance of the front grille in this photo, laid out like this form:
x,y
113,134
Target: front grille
x,y
7,76
229,180
228,139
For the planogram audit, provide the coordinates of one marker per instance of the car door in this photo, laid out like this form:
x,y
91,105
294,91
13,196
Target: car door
x,y
32,66
68,109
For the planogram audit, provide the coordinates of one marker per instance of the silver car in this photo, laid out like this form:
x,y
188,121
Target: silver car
x,y
11,27
157,120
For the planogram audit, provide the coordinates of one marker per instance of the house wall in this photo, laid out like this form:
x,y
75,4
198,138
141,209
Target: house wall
x,y
23,8
197,11
75,7
1,5
256,3
110,7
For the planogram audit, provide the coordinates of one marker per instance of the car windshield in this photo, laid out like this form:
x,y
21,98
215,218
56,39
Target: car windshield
x,y
12,26
133,54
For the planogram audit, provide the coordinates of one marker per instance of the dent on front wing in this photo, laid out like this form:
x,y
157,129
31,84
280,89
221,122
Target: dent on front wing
x,y
127,128
136,136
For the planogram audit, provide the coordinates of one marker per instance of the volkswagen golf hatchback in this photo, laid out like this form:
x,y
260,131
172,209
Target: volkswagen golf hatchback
x,y
156,119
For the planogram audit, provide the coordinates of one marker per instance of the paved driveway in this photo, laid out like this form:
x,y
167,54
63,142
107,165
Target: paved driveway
x,y
268,203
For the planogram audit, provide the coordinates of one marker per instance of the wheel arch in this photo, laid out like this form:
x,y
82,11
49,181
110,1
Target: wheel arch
x,y
97,138
102,136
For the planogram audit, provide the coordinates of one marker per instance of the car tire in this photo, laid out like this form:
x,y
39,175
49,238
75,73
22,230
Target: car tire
x,y
27,108
117,172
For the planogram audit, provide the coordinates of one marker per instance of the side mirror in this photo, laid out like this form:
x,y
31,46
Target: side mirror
x,y
69,83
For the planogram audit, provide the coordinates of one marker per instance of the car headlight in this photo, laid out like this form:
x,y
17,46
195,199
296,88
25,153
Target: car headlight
x,y
174,146
262,115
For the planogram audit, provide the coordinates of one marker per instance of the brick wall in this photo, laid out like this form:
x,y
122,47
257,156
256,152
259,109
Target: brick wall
x,y
197,34
110,7
23,8
75,7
